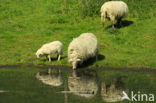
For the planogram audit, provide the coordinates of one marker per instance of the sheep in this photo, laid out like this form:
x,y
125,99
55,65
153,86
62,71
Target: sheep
x,y
50,48
113,10
82,48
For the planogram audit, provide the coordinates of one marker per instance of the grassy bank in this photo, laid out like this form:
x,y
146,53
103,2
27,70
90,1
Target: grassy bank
x,y
26,25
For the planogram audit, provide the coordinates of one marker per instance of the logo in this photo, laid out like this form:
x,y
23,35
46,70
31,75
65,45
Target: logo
x,y
138,96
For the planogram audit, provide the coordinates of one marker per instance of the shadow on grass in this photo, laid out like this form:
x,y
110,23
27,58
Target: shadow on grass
x,y
91,61
124,23
53,58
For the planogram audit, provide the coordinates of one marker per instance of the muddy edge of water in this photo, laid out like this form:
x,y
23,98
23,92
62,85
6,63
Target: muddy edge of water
x,y
68,67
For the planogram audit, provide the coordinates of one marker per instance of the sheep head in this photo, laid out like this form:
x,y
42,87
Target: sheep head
x,y
39,54
75,62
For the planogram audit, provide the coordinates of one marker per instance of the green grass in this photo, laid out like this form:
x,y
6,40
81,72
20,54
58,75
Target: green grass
x,y
26,25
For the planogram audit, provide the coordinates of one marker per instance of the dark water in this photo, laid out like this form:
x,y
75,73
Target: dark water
x,y
85,85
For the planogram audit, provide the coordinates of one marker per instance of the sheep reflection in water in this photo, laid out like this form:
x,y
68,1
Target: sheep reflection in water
x,y
82,85
113,92
49,78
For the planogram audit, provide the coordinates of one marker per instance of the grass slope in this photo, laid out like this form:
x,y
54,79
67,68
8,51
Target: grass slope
x,y
26,25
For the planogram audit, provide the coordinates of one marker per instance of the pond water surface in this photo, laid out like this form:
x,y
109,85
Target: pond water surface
x,y
22,84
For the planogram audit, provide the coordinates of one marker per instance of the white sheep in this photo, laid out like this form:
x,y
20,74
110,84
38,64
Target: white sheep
x,y
82,48
113,10
50,48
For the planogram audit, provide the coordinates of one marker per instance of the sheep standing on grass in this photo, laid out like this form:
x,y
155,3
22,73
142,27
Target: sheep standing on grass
x,y
50,48
82,48
113,10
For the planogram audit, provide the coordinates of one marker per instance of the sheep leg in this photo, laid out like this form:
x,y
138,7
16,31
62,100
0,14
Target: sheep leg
x,y
119,22
49,58
102,25
103,21
46,56
59,57
112,21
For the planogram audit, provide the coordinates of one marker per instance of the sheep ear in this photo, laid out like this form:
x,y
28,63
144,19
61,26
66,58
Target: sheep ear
x,y
70,60
78,60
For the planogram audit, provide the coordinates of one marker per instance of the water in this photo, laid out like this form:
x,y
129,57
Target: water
x,y
31,84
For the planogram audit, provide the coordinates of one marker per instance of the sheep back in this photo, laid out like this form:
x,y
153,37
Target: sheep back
x,y
117,9
52,47
83,47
